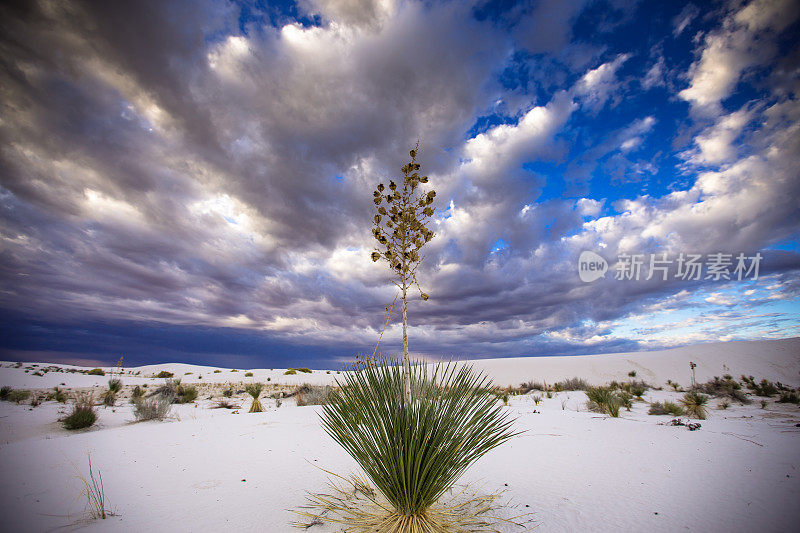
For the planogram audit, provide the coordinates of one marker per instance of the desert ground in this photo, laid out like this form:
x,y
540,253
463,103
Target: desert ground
x,y
571,469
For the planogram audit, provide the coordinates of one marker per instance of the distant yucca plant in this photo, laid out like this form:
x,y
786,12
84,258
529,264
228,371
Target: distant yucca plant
x,y
694,403
414,452
254,390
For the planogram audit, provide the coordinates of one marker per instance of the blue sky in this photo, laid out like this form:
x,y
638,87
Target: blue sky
x,y
190,181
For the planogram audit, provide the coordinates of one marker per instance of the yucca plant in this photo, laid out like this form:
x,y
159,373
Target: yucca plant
x,y
413,452
694,403
254,390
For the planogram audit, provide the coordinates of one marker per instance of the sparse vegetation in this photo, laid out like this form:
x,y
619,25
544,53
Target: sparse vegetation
x,y
164,374
726,387
96,372
82,415
789,397
666,408
694,403
4,392
290,372
248,374
603,400
18,395
254,390
571,384
228,393
58,395
537,398
632,374
304,370
136,393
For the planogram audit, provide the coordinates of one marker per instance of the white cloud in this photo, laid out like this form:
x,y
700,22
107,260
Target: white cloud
x,y
598,85
743,42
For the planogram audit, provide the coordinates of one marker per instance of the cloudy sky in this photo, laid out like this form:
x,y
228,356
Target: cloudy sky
x,y
191,181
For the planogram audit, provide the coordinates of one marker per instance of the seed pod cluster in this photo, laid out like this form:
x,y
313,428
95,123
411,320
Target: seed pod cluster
x,y
401,223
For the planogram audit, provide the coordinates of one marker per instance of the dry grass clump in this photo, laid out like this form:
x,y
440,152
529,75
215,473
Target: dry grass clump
x,y
95,494
571,384
254,390
155,407
82,415
666,408
225,404
16,395
359,508
695,403
313,395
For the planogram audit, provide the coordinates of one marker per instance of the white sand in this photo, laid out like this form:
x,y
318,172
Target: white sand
x,y
578,471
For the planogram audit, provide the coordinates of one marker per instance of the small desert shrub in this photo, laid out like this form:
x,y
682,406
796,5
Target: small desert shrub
x,y
228,393
536,399
313,395
625,400
109,398
548,394
4,392
304,369
96,372
248,374
36,401
82,415
234,370
572,384
164,374
765,388
217,371
18,395
254,390
37,373
188,373
789,397
666,408
637,390
632,374
723,405
137,393
290,372
185,394
603,400
763,404
694,403
58,395
154,407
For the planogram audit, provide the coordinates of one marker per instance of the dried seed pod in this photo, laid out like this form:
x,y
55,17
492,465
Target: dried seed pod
x,y
392,185
381,187
424,296
382,210
375,256
413,153
377,219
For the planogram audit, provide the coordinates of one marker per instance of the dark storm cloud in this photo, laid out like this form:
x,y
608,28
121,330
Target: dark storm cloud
x,y
159,165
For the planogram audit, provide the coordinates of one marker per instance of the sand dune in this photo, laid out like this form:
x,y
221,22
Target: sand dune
x,y
209,469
